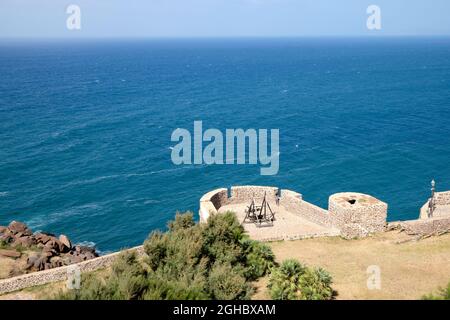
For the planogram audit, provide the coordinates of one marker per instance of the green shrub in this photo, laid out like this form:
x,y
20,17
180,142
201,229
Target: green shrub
x,y
259,258
316,285
443,294
228,283
3,244
294,281
189,261
126,281
182,221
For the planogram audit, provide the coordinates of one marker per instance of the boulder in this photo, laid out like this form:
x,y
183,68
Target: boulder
x,y
51,248
10,253
2,229
57,262
54,244
16,227
65,241
6,238
85,249
74,259
26,241
43,237
31,261
40,262
48,252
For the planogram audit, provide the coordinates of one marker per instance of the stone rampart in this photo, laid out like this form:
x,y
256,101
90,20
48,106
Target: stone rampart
x,y
294,203
59,274
423,227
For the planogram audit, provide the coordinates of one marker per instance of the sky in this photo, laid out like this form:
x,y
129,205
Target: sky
x,y
221,18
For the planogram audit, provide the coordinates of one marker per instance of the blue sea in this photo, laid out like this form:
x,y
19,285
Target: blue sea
x,y
85,125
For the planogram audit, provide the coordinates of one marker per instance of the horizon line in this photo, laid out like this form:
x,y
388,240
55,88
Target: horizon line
x,y
365,36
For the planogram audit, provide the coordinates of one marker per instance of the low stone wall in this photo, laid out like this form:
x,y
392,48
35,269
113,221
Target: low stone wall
x,y
211,202
442,198
294,203
350,213
241,194
59,274
423,227
424,211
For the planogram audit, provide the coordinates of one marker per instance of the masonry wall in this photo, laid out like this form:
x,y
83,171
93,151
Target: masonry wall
x,y
423,227
368,214
294,203
59,274
440,198
244,194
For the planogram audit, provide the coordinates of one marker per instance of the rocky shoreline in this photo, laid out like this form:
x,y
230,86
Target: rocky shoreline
x,y
40,250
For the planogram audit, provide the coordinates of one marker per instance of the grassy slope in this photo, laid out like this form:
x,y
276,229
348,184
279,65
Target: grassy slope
x,y
408,270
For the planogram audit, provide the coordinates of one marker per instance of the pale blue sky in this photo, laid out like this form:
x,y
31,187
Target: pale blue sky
x,y
222,18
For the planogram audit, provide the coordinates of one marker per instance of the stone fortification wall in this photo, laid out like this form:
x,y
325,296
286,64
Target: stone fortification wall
x,y
357,214
353,214
294,203
244,194
366,215
211,202
442,202
442,198
59,274
423,227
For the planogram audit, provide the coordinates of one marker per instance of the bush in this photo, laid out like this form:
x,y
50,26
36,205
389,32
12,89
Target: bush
x,y
3,244
443,294
189,261
259,258
293,281
228,283
126,281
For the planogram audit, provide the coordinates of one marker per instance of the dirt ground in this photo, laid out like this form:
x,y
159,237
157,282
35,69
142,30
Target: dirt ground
x,y
408,268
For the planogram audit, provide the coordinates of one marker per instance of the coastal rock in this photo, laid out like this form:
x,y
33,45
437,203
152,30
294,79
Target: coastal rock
x,y
49,252
40,263
65,241
10,253
53,246
57,262
16,227
6,238
82,253
42,237
53,251
26,241
31,261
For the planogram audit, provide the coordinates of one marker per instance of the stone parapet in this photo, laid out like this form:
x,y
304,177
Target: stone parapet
x,y
59,274
294,203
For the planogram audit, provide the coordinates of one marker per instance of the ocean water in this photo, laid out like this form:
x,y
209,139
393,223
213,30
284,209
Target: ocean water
x,y
85,126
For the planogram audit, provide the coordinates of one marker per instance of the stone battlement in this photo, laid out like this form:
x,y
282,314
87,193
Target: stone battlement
x,y
349,214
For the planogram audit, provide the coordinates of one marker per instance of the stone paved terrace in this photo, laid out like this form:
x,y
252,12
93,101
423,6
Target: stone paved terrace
x,y
287,226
